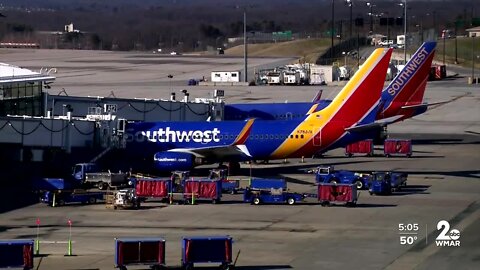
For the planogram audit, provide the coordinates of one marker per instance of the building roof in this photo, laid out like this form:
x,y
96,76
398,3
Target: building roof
x,y
474,29
11,74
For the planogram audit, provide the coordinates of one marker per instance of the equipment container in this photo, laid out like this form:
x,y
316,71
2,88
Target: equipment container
x,y
361,147
328,193
397,147
207,249
203,189
16,253
139,251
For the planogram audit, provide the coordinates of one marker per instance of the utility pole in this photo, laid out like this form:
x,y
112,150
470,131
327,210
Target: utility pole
x,y
245,76
456,58
444,33
473,58
350,5
405,32
332,49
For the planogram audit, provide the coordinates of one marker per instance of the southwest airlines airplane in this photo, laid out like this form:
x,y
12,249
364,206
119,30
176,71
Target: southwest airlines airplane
x,y
402,98
348,118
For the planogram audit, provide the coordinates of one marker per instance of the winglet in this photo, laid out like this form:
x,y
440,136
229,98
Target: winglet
x,y
318,96
243,135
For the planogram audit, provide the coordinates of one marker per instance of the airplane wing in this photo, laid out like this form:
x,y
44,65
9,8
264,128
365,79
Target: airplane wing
x,y
216,151
374,125
424,105
237,148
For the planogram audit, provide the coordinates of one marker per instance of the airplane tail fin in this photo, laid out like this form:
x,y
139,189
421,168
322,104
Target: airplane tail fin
x,y
358,101
408,87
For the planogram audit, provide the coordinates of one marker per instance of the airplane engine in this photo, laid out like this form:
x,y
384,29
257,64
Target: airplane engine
x,y
170,161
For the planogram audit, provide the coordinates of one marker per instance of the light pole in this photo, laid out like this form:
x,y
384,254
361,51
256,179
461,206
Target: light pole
x,y
350,5
473,57
370,5
245,76
332,50
456,58
404,5
444,33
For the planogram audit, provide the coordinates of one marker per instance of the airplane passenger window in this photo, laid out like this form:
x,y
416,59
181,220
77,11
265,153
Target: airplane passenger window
x,y
301,136
276,136
291,136
271,136
296,136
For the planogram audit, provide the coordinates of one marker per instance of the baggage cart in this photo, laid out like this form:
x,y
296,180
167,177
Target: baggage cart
x,y
139,251
207,249
399,147
345,193
260,196
228,186
261,183
361,147
152,188
17,253
202,189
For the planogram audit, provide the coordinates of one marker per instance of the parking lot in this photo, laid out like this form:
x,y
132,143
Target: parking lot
x,y
443,184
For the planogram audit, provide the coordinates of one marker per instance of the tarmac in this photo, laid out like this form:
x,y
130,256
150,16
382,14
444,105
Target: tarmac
x,y
443,182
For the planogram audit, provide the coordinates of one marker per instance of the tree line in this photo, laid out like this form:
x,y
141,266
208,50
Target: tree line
x,y
188,25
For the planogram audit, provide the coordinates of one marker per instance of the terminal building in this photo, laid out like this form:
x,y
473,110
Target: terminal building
x,y
44,135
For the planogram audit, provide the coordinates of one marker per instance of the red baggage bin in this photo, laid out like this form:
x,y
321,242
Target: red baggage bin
x,y
337,193
397,147
152,188
361,147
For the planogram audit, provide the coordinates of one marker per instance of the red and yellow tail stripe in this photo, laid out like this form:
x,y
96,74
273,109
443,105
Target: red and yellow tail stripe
x,y
355,100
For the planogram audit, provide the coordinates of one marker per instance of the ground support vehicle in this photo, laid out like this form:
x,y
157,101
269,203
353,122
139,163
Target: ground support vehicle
x,y
17,254
202,189
62,197
330,175
272,195
380,184
396,147
89,174
345,193
139,251
44,184
106,180
398,180
123,198
207,249
361,147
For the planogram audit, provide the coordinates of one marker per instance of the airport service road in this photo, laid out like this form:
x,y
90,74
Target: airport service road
x,y
443,185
